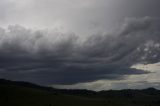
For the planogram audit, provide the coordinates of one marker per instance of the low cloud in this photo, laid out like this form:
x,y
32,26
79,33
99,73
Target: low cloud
x,y
52,57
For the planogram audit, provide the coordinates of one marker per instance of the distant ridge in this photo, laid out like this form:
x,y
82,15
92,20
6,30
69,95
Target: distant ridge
x,y
50,89
125,92
24,84
19,93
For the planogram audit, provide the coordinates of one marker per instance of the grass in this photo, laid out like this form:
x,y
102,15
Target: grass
x,y
13,95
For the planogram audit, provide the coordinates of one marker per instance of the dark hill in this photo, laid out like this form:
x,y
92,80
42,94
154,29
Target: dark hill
x,y
15,93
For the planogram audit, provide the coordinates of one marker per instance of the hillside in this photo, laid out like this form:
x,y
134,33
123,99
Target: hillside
x,y
26,94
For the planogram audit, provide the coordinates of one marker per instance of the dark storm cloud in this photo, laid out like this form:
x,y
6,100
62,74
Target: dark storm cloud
x,y
51,57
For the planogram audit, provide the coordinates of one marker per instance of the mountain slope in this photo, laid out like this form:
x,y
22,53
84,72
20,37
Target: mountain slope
x,y
26,94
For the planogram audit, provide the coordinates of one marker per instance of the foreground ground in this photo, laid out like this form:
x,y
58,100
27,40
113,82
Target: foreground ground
x,y
20,95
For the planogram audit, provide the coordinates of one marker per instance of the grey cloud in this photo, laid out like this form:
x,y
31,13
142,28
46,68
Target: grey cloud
x,y
51,57
80,16
131,39
135,85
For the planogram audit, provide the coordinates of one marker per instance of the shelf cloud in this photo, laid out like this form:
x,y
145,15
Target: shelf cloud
x,y
53,57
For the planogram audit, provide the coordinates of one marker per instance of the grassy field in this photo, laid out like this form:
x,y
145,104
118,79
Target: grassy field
x,y
21,96
13,95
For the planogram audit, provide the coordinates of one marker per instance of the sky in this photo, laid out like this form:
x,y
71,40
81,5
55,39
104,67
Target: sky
x,y
81,44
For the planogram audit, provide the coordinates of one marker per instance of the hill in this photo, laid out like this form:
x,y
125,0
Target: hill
x,y
14,93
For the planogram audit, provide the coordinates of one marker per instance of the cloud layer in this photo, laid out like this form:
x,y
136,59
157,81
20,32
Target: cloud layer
x,y
81,16
52,57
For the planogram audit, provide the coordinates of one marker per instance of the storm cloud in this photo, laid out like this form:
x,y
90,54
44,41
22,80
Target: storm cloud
x,y
52,57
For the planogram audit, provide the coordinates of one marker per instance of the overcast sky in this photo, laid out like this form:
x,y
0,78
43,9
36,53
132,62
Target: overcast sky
x,y
88,44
